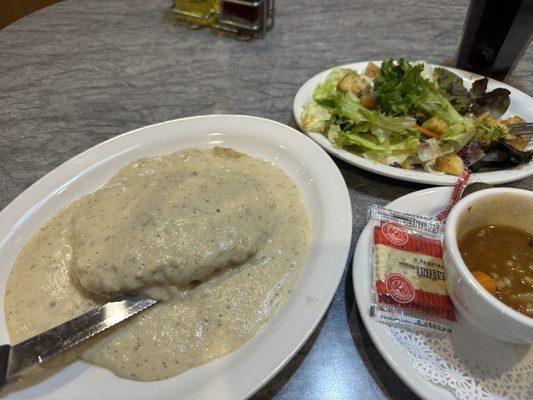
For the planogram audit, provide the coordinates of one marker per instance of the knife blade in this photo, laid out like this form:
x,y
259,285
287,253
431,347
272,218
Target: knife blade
x,y
14,360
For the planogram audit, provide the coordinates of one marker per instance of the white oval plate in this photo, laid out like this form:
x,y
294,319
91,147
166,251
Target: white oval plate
x,y
521,104
472,344
242,372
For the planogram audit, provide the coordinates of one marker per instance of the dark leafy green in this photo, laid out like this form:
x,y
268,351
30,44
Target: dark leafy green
x,y
503,155
495,102
479,87
396,89
476,100
401,90
452,86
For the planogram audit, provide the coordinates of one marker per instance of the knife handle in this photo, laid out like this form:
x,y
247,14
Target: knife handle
x,y
4,360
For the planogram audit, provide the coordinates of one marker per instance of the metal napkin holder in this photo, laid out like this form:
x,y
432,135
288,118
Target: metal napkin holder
x,y
239,27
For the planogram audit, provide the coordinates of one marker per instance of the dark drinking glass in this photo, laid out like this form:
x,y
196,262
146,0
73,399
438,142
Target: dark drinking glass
x,y
495,34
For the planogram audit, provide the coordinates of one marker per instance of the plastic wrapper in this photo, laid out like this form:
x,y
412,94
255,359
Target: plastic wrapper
x,y
408,276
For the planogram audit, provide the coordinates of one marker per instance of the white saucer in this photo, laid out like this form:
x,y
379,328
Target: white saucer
x,y
466,340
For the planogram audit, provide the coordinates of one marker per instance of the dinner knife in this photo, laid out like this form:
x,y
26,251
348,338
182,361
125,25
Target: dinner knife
x,y
14,360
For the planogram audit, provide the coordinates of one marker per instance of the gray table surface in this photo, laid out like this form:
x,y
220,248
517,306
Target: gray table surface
x,y
79,72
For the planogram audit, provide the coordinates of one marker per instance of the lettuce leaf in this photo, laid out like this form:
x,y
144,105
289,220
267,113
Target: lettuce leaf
x,y
452,86
338,73
488,130
333,133
476,100
401,90
348,105
315,117
495,102
376,136
325,94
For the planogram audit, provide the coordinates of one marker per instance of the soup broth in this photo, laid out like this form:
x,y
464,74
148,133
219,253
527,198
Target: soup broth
x,y
501,259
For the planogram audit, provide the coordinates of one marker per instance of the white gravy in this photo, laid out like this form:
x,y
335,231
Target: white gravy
x,y
159,227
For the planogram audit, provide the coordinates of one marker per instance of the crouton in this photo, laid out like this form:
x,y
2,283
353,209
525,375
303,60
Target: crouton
x,y
515,119
450,164
372,70
435,124
353,83
405,165
367,101
518,142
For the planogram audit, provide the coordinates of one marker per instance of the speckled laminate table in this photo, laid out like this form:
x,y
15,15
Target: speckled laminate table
x,y
82,71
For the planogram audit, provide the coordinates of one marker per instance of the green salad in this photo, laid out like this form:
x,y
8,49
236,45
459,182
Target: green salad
x,y
413,116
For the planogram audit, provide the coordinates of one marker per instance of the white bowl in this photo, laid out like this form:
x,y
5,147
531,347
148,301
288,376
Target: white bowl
x,y
499,206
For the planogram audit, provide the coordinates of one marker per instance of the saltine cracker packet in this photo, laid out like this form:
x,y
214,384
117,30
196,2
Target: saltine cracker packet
x,y
408,276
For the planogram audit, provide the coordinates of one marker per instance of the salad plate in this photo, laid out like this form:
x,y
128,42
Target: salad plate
x,y
520,104
468,364
240,373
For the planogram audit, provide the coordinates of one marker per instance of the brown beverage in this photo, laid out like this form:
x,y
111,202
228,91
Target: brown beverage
x,y
495,34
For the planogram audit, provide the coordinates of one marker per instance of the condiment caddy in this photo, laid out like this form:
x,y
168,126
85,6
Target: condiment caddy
x,y
244,19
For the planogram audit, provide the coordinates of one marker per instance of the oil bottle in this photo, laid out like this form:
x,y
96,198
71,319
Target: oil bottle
x,y
197,13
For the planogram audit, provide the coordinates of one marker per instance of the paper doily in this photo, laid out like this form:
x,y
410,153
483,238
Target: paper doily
x,y
470,364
